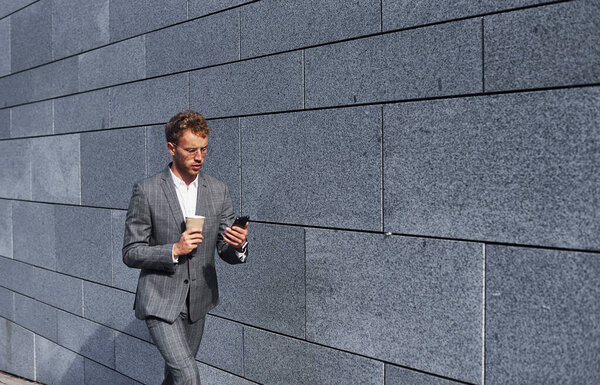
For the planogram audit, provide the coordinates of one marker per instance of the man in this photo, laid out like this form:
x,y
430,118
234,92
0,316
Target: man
x,y
178,282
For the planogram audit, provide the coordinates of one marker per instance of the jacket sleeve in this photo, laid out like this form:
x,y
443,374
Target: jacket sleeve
x,y
225,250
138,252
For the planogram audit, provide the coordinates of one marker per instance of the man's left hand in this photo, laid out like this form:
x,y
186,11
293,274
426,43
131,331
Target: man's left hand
x,y
236,236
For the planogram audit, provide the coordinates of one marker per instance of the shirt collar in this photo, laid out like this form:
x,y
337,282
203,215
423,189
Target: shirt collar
x,y
179,183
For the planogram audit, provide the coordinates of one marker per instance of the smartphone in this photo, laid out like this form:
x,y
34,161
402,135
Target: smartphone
x,y
241,221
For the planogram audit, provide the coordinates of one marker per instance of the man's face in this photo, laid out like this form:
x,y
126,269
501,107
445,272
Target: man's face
x,y
188,154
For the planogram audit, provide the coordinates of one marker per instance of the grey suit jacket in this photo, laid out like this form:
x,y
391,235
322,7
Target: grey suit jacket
x,y
154,223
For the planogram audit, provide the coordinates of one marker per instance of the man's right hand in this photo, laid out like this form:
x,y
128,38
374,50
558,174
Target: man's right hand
x,y
188,241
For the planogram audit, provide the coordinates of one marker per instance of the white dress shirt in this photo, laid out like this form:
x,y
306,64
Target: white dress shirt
x,y
187,196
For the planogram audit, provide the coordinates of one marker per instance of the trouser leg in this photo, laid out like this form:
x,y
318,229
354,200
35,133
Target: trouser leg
x,y
178,343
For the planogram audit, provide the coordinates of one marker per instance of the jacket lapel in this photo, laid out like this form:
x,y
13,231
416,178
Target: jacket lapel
x,y
202,195
171,195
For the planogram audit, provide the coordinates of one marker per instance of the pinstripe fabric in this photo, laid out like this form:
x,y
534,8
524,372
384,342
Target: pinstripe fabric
x,y
153,224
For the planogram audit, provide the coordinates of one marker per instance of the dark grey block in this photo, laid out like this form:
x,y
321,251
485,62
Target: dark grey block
x,y
4,47
31,119
148,102
117,63
204,7
372,70
83,246
516,168
55,170
87,338
36,316
541,316
268,290
302,167
222,345
274,359
16,276
199,43
96,374
212,376
7,304
16,350
81,112
132,18
8,7
57,365
6,229
111,162
138,359
123,277
267,84
404,13
78,26
31,36
223,162
5,123
34,234
547,46
273,26
158,155
366,292
395,375
57,289
113,308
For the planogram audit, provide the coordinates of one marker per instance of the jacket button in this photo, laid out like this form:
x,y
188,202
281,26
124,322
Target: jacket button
x,y
185,281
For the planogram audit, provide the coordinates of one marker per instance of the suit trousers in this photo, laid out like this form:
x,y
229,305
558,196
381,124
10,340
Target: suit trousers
x,y
178,343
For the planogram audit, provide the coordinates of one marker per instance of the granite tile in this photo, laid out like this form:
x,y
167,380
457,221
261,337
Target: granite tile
x,y
157,152
117,63
541,316
96,374
87,338
213,376
31,119
548,46
222,345
81,112
31,36
267,84
55,173
16,276
123,277
5,46
301,167
516,168
36,316
113,308
83,246
56,289
5,123
205,7
140,103
366,292
198,43
138,359
8,7
111,162
270,26
16,350
78,26
274,359
7,304
6,229
395,375
57,365
371,70
34,233
268,290
125,16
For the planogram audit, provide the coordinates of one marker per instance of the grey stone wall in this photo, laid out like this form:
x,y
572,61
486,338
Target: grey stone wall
x,y
422,179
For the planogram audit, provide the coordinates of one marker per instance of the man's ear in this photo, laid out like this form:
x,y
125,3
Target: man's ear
x,y
171,148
